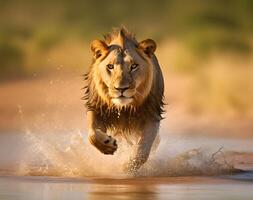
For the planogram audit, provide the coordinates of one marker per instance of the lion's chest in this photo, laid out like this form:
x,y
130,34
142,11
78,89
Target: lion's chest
x,y
124,127
123,122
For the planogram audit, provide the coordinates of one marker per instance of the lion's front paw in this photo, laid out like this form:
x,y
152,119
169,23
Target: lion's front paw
x,y
104,143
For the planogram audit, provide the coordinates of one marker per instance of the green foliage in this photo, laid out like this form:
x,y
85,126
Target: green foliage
x,y
46,38
11,58
204,26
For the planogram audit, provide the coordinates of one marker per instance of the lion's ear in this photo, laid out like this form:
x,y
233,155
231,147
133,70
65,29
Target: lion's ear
x,y
148,46
99,48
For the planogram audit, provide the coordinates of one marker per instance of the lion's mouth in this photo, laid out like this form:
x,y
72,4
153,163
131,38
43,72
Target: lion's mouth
x,y
122,97
122,100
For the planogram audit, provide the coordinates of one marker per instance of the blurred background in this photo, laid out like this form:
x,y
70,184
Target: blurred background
x,y
205,49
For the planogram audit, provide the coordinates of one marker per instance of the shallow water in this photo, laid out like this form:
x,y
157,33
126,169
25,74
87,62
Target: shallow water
x,y
64,166
190,188
70,155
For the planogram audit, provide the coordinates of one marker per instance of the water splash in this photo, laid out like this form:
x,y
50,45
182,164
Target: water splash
x,y
69,155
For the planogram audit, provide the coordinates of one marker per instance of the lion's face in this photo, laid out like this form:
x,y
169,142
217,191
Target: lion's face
x,y
123,73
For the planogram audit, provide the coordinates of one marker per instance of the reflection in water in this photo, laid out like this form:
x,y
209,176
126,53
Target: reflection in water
x,y
43,188
134,192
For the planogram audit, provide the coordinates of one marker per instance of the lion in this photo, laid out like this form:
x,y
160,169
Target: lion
x,y
124,94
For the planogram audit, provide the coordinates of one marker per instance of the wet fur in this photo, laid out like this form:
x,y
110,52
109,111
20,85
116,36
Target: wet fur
x,y
131,117
140,118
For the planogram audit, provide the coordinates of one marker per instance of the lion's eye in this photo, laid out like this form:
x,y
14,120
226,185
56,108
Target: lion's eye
x,y
110,66
134,66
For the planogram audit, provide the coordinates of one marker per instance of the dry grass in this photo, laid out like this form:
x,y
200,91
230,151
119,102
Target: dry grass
x,y
215,85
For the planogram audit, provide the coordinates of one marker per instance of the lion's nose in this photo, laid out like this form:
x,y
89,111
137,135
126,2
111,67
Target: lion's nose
x,y
121,89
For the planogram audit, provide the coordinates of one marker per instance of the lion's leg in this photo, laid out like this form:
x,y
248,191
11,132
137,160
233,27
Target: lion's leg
x,y
155,144
142,150
97,135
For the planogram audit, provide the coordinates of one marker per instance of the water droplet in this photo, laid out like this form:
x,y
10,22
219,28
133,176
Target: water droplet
x,y
118,116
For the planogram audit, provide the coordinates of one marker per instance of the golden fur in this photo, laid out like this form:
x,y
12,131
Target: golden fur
x,y
124,94
148,105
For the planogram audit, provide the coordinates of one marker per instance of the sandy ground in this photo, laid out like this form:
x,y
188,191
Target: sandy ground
x,y
53,102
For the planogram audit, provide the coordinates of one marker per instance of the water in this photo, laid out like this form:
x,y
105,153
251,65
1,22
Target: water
x,y
64,166
70,155
190,188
